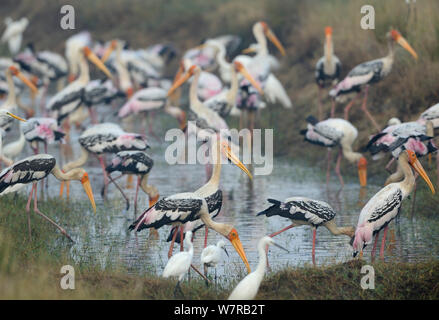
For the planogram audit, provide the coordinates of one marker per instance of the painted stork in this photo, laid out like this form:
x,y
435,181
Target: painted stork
x,y
211,256
178,265
71,97
105,138
138,163
305,211
181,208
13,33
336,132
10,103
33,169
328,69
370,72
74,44
385,205
34,131
247,288
432,114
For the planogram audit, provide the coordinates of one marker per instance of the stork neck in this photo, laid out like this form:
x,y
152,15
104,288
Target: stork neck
x,y
335,230
233,91
261,40
328,50
11,100
78,162
195,103
74,174
84,72
391,54
350,155
221,57
409,179
221,228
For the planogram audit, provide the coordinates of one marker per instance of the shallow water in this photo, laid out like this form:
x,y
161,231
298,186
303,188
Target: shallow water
x,y
105,237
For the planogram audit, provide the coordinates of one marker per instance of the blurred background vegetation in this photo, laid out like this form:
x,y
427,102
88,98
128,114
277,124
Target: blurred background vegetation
x,y
411,87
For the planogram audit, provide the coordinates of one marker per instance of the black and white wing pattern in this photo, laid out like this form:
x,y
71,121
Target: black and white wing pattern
x,y
432,114
324,78
179,208
322,133
301,210
25,171
135,162
66,101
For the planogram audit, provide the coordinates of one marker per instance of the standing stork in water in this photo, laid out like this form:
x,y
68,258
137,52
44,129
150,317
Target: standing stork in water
x,y
66,101
385,205
140,164
10,103
181,208
305,211
370,72
328,70
33,169
336,132
105,138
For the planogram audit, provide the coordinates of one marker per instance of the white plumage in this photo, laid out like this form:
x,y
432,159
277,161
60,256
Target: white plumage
x,y
179,264
211,255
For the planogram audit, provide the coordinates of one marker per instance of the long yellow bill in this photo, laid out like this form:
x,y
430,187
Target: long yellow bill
x,y
93,58
230,155
178,82
87,188
15,117
403,43
109,50
417,166
270,35
25,80
241,69
236,243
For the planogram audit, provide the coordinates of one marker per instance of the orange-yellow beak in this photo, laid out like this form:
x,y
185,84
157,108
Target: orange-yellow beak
x,y
236,243
241,69
87,188
15,117
98,63
109,50
153,200
362,171
403,43
180,80
270,35
417,166
328,35
25,80
227,151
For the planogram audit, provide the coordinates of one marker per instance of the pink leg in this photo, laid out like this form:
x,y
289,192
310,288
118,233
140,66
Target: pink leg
x,y
332,108
205,235
280,231
28,210
366,111
171,247
135,197
93,116
328,170
101,161
47,218
181,239
389,164
349,106
383,242
320,105
374,246
314,246
337,168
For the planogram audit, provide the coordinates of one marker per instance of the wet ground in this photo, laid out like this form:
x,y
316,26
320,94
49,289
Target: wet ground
x,y
105,237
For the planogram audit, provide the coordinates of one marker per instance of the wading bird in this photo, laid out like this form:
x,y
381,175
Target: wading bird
x,y
105,138
178,265
13,34
181,208
385,205
328,70
4,118
370,72
336,132
247,288
33,169
305,211
211,256
138,163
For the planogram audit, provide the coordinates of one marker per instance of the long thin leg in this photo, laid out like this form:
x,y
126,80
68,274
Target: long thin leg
x,y
280,231
314,246
135,197
383,242
205,274
328,168
412,211
121,191
320,114
101,161
349,106
181,239
28,210
332,108
389,164
337,168
171,247
374,246
206,232
36,210
366,111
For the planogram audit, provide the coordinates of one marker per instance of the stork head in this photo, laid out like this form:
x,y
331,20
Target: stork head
x,y
410,157
16,72
272,37
239,67
96,61
395,36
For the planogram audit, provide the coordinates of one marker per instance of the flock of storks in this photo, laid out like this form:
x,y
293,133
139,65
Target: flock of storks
x,y
222,85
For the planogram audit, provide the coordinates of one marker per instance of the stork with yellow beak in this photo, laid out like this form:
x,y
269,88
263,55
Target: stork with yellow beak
x,y
370,72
